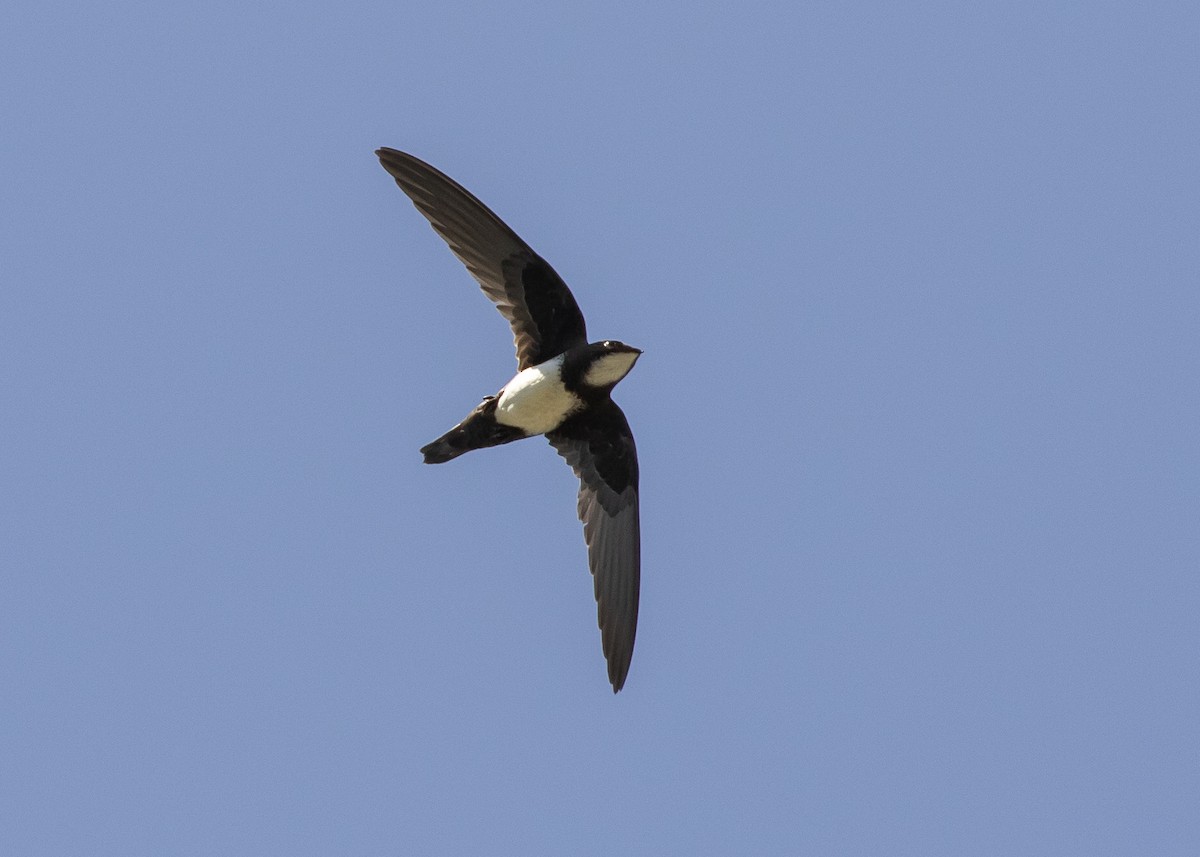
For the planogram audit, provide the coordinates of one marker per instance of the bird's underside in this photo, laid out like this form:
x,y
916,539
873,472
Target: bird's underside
x,y
589,431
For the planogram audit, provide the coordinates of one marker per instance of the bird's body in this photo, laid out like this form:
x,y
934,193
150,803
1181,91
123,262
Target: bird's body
x,y
561,390
536,400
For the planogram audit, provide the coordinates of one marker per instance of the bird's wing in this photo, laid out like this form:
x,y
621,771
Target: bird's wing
x,y
599,447
543,314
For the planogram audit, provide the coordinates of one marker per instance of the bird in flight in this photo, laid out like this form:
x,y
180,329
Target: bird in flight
x,y
561,390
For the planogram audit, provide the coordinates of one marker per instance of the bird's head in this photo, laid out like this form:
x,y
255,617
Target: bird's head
x,y
608,362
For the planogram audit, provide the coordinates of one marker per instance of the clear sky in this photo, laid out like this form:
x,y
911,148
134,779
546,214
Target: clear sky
x,y
918,287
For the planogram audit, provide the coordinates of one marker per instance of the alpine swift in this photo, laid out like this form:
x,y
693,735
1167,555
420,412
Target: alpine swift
x,y
561,390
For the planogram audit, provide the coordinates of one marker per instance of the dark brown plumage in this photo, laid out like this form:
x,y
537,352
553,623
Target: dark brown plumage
x,y
592,434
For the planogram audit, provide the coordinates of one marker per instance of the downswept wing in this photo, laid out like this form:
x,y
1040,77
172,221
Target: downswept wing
x,y
600,449
541,310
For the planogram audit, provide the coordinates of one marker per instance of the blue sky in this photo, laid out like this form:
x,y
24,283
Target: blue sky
x,y
917,286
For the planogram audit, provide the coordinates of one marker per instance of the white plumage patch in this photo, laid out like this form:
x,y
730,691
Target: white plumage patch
x,y
536,401
610,368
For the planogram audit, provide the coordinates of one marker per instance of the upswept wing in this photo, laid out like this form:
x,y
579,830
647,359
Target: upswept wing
x,y
541,310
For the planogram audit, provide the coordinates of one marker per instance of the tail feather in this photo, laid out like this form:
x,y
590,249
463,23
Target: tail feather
x,y
441,451
477,431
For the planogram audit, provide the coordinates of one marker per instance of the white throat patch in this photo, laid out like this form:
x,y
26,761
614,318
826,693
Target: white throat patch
x,y
535,401
610,368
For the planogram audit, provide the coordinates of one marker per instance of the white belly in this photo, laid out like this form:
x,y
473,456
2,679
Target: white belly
x,y
535,401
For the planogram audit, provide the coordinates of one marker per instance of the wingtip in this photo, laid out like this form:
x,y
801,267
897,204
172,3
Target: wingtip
x,y
618,679
388,155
